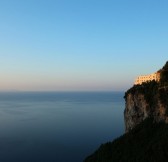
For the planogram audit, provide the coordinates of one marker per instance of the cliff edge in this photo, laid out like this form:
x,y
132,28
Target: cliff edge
x,y
146,118
150,99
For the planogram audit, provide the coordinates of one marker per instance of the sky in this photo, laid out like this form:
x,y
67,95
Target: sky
x,y
80,45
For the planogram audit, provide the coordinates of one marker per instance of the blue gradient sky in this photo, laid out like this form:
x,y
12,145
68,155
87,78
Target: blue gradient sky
x,y
80,44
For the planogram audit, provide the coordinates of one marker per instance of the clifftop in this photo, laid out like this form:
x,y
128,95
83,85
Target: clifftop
x,y
150,99
146,115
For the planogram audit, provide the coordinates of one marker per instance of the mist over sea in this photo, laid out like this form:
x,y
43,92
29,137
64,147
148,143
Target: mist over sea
x,y
57,126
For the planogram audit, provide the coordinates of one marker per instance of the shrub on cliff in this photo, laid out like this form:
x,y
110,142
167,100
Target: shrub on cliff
x,y
146,142
148,89
164,74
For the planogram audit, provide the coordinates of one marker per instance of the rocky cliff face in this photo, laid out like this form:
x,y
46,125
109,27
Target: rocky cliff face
x,y
136,110
139,107
146,101
149,99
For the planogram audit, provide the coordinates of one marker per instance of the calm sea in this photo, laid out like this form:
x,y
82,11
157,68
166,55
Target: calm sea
x,y
57,127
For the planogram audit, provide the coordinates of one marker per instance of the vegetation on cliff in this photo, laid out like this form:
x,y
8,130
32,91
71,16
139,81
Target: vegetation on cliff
x,y
148,89
164,74
148,141
154,91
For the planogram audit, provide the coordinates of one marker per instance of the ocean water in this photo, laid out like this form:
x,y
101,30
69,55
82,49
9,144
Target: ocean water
x,y
57,126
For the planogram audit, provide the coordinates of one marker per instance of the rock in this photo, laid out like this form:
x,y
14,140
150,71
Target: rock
x,y
149,99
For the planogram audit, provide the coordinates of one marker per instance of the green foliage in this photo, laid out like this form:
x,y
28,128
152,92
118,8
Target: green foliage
x,y
163,96
165,67
164,74
146,142
153,93
148,89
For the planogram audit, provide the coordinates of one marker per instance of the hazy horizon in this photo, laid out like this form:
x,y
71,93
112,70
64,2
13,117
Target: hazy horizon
x,y
80,45
63,91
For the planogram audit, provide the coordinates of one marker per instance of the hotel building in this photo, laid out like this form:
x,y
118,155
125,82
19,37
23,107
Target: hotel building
x,y
145,78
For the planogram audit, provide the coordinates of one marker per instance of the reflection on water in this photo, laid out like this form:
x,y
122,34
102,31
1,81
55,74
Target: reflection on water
x,y
57,127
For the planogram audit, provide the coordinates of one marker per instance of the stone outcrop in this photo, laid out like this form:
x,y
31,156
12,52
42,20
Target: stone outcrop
x,y
138,109
149,99
146,106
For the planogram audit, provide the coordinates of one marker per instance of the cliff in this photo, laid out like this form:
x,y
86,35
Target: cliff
x,y
149,99
146,118
147,142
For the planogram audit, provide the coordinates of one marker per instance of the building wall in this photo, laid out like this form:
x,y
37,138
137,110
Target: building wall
x,y
144,78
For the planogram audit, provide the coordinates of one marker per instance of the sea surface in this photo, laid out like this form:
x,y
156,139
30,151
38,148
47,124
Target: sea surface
x,y
57,126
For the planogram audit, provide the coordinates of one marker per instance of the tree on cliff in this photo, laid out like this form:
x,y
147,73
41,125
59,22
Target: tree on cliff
x,y
164,73
146,142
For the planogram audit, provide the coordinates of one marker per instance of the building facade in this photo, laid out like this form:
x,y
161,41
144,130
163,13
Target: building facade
x,y
145,78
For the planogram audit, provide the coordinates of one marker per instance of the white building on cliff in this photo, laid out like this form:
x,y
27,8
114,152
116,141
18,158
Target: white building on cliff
x,y
144,78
